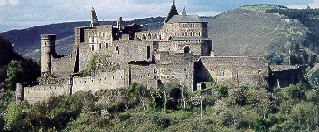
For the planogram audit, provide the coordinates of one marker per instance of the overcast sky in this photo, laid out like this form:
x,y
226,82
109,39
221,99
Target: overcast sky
x,y
15,14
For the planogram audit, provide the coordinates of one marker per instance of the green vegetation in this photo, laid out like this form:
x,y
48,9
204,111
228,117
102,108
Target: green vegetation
x,y
262,7
25,71
309,18
135,108
98,63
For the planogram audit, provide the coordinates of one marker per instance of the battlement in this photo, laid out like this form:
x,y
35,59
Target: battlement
x,y
48,37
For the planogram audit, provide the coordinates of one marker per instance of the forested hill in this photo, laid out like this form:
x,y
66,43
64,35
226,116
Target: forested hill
x,y
309,18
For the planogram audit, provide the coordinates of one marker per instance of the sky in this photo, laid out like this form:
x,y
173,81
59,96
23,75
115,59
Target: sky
x,y
18,14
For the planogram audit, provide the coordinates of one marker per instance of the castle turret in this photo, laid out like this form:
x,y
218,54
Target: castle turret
x,y
94,20
47,51
184,12
119,26
119,23
19,93
172,12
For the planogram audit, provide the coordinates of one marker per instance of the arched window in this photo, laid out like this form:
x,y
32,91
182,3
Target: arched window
x,y
186,49
117,49
92,47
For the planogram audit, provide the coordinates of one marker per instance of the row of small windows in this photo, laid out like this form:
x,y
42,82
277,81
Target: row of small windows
x,y
102,34
191,34
104,79
164,70
192,25
106,45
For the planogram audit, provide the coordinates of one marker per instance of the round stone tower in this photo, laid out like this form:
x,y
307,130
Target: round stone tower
x,y
19,92
47,51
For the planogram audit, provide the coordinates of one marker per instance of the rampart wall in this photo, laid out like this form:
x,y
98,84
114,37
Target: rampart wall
x,y
44,92
104,80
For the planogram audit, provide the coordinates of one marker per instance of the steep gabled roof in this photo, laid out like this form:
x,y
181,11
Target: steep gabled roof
x,y
172,12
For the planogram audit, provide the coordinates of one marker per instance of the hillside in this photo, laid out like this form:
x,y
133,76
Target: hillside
x,y
250,33
6,55
309,18
6,52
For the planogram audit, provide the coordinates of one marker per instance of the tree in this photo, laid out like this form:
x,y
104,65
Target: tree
x,y
14,74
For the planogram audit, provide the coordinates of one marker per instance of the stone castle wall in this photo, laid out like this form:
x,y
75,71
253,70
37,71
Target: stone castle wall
x,y
240,70
184,29
63,66
196,47
132,51
44,92
104,80
147,75
283,76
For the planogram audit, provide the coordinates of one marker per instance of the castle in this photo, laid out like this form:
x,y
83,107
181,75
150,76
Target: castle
x,y
116,56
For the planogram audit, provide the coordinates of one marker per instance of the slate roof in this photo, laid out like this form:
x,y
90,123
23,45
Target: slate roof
x,y
186,18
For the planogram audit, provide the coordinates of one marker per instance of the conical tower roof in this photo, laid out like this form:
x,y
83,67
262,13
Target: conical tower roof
x,y
172,12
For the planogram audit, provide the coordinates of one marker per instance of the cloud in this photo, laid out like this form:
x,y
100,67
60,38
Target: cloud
x,y
315,4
